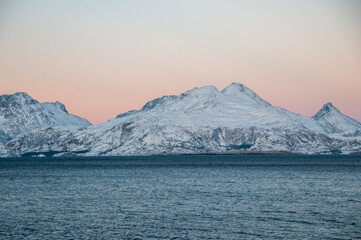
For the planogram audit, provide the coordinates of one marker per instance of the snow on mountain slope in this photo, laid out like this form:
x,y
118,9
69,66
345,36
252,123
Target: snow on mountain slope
x,y
234,106
19,113
199,120
333,121
206,120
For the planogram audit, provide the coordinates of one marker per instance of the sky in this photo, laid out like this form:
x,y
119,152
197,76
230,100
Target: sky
x,y
102,58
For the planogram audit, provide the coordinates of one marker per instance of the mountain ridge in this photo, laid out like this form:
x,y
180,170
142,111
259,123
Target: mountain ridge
x,y
200,120
20,113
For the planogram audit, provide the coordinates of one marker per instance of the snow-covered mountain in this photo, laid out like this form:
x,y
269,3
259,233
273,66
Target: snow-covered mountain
x,y
333,121
201,120
21,114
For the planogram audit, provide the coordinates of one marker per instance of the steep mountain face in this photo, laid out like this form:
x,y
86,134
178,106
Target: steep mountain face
x,y
333,121
20,114
200,120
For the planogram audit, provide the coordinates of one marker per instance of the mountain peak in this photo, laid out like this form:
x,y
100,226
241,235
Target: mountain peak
x,y
235,87
327,109
239,90
333,121
16,99
61,106
23,96
329,106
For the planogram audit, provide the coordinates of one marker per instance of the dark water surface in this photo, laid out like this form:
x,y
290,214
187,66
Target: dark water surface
x,y
181,197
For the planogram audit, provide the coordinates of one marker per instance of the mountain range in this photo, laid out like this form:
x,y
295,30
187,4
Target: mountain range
x,y
201,120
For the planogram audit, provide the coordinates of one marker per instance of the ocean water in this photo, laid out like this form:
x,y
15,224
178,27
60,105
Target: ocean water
x,y
181,197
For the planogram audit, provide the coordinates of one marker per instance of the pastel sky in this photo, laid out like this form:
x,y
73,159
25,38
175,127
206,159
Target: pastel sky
x,y
102,58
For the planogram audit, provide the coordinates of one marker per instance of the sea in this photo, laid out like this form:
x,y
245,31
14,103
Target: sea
x,y
181,197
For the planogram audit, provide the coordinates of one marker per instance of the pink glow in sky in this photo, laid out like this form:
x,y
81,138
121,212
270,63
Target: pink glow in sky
x,y
102,58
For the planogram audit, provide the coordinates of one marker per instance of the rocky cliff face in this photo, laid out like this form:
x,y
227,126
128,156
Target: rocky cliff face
x,y
198,121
